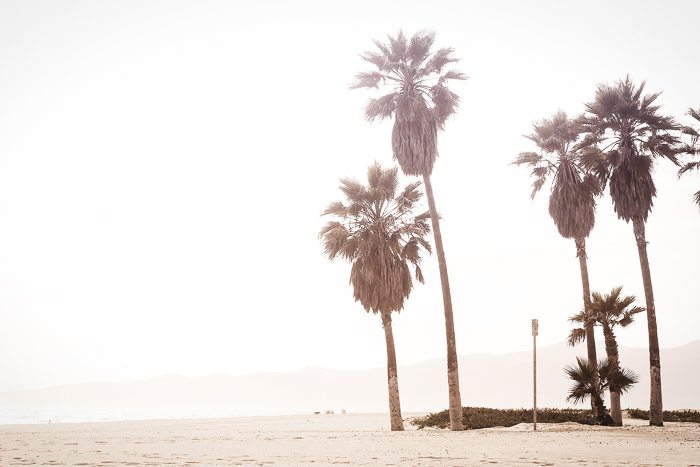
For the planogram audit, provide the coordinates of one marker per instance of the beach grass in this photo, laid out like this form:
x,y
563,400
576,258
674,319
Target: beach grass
x,y
483,417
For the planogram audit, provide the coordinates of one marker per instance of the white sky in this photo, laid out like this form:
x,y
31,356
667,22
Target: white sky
x,y
163,165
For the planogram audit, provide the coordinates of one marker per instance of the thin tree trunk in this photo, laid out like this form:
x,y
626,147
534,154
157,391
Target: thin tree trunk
x,y
615,408
456,422
655,403
392,376
590,334
613,370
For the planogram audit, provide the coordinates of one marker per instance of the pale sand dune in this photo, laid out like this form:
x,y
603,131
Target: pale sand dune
x,y
341,439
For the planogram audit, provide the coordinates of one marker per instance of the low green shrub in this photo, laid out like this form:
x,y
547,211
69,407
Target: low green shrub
x,y
669,415
482,417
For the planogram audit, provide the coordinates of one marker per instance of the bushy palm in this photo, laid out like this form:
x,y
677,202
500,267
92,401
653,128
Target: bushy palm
x,y
420,102
630,131
572,201
692,149
378,233
609,310
589,383
586,383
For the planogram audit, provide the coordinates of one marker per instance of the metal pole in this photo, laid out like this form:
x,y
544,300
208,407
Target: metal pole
x,y
535,329
534,381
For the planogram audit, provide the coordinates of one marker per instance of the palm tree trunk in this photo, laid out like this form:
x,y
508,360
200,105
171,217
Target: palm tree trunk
x,y
655,404
590,334
392,376
615,408
456,422
613,370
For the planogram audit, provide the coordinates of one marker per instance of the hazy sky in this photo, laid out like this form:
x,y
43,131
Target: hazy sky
x,y
163,165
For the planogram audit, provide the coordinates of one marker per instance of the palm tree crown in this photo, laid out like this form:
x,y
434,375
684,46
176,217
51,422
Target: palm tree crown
x,y
613,310
572,202
630,131
608,310
692,149
376,231
585,385
418,99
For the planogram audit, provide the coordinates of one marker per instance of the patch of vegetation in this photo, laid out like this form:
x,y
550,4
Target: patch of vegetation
x,y
669,415
483,417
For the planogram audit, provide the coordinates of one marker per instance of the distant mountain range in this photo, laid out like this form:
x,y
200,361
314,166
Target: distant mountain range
x,y
486,380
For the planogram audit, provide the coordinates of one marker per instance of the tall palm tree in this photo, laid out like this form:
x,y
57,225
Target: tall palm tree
x,y
692,149
572,201
378,233
609,311
632,133
420,103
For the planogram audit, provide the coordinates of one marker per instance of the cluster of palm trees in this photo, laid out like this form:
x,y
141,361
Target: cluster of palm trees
x,y
612,144
592,379
375,229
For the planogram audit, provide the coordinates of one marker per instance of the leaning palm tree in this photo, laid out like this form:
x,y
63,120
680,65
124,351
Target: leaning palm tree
x,y
378,233
609,311
632,133
693,149
420,103
572,201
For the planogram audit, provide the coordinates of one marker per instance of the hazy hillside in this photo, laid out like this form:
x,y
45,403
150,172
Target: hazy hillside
x,y
486,380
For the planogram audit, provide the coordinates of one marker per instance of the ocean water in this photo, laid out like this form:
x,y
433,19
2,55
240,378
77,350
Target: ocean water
x,y
15,416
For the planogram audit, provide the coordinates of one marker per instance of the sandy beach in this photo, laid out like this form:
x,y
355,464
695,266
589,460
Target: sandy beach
x,y
356,439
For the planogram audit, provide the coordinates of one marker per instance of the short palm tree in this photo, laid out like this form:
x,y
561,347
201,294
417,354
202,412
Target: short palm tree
x,y
420,103
631,133
376,231
692,149
608,311
586,382
572,201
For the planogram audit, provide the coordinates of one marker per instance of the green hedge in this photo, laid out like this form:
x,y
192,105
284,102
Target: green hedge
x,y
482,417
669,415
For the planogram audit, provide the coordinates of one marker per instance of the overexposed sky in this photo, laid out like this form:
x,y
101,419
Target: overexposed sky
x,y
163,165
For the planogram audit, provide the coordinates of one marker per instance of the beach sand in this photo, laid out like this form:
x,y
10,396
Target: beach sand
x,y
356,439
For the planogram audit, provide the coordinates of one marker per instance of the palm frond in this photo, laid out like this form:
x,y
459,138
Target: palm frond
x,y
398,45
445,103
576,336
529,158
368,79
381,108
581,374
623,380
689,167
439,59
419,47
537,186
454,74
336,208
381,61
